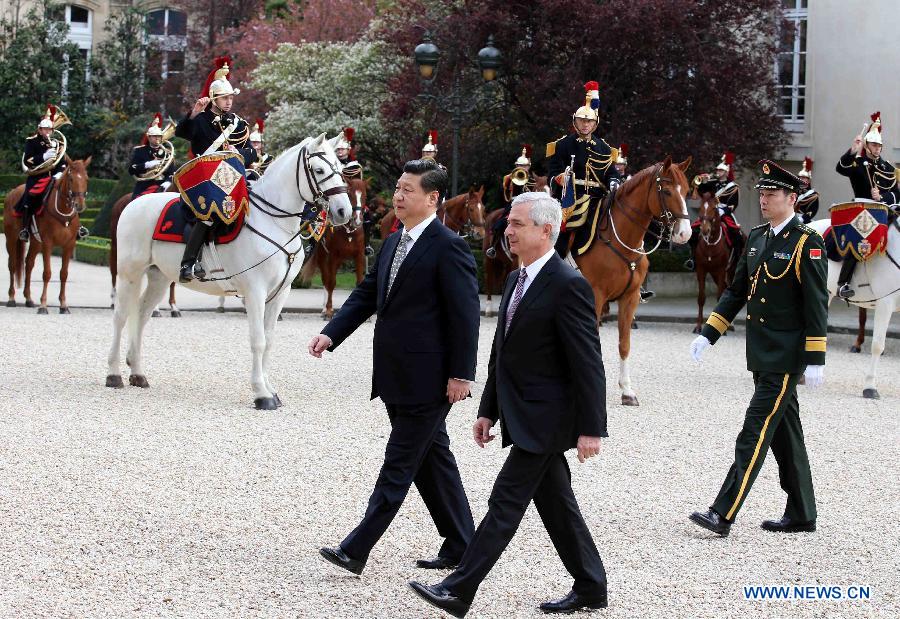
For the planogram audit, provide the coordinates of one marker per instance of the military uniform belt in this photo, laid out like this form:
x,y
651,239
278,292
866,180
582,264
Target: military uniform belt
x,y
590,184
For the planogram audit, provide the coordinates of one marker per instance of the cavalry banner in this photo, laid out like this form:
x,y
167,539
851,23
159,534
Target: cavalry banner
x,y
214,184
860,228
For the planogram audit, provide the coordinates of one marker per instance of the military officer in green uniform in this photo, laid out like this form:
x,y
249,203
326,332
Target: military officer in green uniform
x,y
782,278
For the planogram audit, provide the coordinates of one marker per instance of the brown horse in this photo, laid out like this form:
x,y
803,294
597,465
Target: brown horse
x,y
338,244
464,214
57,225
711,255
616,263
117,209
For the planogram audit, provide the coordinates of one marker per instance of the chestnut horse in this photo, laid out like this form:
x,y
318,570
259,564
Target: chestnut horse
x,y
338,244
117,209
711,255
464,214
57,225
615,264
498,268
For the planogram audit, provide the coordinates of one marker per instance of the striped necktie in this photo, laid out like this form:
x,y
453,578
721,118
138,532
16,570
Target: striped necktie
x,y
517,298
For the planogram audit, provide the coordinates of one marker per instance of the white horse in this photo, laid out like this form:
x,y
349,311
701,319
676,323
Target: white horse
x,y
877,286
258,265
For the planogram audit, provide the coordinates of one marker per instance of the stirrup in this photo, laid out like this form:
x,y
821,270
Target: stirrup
x,y
370,251
191,271
490,252
83,233
23,234
846,292
689,264
646,295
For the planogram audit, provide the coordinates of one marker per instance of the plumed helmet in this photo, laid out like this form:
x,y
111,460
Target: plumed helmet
x,y
430,148
806,170
591,108
346,138
525,157
217,84
874,134
155,128
48,118
623,154
256,135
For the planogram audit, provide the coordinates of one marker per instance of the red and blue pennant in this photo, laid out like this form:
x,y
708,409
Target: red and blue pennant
x,y
214,185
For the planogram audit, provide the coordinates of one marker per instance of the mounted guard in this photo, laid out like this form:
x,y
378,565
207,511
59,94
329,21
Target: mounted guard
x,y
520,180
220,140
721,186
859,228
430,150
582,168
153,162
43,162
622,161
808,202
256,169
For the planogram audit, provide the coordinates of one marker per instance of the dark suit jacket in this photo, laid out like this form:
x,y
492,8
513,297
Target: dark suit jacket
x,y
546,382
427,328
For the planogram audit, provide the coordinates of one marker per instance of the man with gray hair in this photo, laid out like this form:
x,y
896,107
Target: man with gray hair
x,y
547,386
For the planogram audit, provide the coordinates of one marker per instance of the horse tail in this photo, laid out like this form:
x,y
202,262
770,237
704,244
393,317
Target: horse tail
x,y
19,262
309,267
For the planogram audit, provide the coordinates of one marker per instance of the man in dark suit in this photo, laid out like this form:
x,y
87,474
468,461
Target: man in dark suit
x,y
547,386
424,290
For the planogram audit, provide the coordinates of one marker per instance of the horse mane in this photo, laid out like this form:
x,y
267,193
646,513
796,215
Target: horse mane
x,y
637,179
279,161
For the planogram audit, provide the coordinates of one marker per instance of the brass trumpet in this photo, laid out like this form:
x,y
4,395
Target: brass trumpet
x,y
520,177
58,141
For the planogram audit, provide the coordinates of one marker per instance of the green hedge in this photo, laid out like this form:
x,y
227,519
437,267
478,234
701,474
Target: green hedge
x,y
98,188
93,250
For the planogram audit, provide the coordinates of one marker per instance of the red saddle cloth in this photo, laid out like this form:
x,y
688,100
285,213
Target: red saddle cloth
x,y
172,222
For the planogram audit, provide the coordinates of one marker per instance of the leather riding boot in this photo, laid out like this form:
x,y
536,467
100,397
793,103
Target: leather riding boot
x,y
847,268
190,263
25,232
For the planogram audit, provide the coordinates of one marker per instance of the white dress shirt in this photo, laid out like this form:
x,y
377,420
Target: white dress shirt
x,y
780,227
415,232
534,269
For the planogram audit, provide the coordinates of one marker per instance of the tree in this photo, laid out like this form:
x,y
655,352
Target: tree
x,y
119,75
316,87
38,65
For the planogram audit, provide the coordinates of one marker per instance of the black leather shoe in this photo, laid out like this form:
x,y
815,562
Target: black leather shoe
x,y
786,525
440,596
575,601
191,271
713,521
846,292
438,563
341,559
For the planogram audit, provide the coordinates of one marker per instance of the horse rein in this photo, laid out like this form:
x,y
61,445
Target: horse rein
x,y
467,226
706,237
70,197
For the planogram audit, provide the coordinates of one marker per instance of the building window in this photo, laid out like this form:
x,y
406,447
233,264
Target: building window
x,y
168,32
167,22
790,65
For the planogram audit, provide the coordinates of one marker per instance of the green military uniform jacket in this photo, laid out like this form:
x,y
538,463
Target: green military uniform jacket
x,y
784,285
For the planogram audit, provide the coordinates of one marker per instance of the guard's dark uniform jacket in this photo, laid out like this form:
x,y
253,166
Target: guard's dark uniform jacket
x,y
204,129
783,281
864,173
808,205
594,168
139,158
727,193
37,185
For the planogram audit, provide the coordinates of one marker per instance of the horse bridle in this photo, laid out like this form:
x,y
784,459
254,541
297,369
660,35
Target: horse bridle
x,y
711,219
70,198
466,227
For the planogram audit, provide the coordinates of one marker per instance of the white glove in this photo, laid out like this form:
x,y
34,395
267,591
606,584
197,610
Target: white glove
x,y
150,164
165,186
50,153
814,375
699,344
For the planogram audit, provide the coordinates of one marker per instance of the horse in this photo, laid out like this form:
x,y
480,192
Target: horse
x,y
464,214
711,256
338,244
116,212
615,264
57,227
877,282
259,263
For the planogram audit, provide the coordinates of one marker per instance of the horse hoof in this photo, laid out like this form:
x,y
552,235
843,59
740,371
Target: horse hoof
x,y
871,394
696,330
855,348
155,314
277,401
280,317
634,325
115,381
731,327
630,400
65,310
220,310
11,303
137,380
29,303
43,310
265,404
176,314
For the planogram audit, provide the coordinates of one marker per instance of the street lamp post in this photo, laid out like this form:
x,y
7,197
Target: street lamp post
x,y
426,56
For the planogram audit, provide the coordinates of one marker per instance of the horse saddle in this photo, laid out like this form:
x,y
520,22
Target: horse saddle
x,y
176,220
40,191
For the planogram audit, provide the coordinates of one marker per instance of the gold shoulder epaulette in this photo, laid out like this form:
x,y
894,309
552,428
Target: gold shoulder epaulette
x,y
614,153
551,147
759,226
807,229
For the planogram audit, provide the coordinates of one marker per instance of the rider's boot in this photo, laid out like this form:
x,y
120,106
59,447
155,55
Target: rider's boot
x,y
847,268
646,295
190,263
25,232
